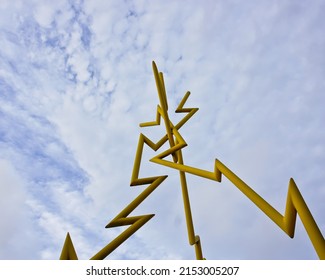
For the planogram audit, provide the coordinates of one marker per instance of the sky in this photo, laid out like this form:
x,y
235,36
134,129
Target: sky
x,y
75,82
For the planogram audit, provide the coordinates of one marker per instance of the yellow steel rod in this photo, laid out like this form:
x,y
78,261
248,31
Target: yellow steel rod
x,y
193,239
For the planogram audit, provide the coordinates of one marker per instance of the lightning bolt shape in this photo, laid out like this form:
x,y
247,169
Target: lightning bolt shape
x,y
295,203
123,218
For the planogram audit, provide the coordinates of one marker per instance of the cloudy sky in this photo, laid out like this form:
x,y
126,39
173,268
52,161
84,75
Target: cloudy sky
x,y
76,81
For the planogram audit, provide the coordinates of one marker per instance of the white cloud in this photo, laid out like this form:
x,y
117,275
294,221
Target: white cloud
x,y
44,15
16,237
12,200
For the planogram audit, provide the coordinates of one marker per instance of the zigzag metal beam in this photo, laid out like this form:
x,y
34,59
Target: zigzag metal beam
x,y
295,202
122,219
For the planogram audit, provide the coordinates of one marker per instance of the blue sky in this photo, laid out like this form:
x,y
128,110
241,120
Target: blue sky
x,y
75,82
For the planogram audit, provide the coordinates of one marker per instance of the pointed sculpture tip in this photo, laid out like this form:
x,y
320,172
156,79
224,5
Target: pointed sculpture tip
x,y
154,66
67,237
68,252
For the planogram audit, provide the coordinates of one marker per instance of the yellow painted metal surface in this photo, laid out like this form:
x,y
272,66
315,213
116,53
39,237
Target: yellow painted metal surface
x,y
295,202
68,251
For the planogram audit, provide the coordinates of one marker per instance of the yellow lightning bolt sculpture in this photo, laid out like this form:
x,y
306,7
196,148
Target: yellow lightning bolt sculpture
x,y
295,202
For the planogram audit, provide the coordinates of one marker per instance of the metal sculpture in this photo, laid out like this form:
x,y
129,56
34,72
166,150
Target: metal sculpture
x,y
295,202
